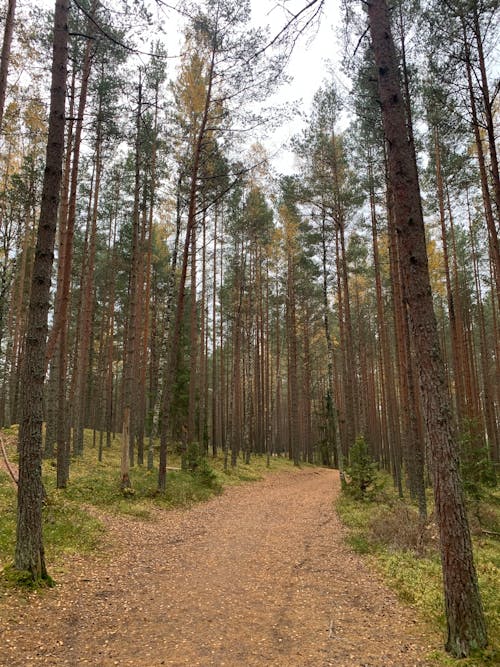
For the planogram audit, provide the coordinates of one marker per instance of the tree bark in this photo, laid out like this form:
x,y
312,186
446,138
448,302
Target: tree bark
x,y
29,545
179,313
5,56
130,345
87,308
483,172
465,619
333,435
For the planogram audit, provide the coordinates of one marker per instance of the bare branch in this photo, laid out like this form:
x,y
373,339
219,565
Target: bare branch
x,y
10,470
289,23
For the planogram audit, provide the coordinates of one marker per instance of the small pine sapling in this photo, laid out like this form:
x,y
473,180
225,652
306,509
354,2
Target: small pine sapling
x,y
362,470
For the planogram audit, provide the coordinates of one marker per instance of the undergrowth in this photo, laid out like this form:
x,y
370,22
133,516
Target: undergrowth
x,y
390,535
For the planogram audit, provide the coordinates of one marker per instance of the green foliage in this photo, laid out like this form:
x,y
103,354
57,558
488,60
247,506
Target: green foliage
x,y
194,457
417,581
67,527
477,470
198,466
7,518
362,471
360,544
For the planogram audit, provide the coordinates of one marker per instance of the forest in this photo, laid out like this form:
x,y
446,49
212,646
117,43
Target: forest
x,y
168,294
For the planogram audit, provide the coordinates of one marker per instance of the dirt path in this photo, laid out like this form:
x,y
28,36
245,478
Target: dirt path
x,y
258,576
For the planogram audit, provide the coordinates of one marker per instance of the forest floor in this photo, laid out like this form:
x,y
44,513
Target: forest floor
x,y
257,576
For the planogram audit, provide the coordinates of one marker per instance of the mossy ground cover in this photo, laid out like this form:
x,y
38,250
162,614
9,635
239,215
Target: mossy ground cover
x,y
69,526
388,533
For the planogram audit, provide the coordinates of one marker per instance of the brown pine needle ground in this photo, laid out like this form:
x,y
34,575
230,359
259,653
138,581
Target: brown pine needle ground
x,y
257,576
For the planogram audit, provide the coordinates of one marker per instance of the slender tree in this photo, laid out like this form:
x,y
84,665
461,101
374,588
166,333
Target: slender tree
x,y
5,55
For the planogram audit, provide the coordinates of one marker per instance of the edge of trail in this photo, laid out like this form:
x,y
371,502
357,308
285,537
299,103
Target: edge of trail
x,y
259,575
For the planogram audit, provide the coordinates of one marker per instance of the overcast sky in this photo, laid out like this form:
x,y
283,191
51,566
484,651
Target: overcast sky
x,y
308,65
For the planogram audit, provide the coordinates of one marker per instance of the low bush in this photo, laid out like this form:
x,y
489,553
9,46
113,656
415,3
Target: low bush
x,y
399,528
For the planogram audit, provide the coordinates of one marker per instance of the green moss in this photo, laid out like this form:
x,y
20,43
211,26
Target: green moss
x,y
7,519
67,528
417,579
360,544
10,577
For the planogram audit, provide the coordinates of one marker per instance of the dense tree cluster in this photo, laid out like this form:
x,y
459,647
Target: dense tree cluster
x,y
198,299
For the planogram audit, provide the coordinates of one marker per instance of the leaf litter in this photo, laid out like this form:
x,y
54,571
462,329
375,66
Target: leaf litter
x,y
259,576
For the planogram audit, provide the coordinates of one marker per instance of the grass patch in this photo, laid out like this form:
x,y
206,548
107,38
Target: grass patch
x,y
68,529
389,534
7,518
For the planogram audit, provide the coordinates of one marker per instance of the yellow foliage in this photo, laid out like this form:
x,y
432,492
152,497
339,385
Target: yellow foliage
x,y
35,117
258,155
383,255
192,82
436,268
290,225
361,286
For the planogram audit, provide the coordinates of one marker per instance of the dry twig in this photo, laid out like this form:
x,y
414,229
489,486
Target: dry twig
x,y
10,470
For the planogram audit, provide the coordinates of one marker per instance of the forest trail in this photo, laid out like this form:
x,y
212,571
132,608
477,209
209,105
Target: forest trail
x,y
259,576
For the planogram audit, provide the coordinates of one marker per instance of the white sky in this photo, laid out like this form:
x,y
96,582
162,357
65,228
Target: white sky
x,y
319,45
308,65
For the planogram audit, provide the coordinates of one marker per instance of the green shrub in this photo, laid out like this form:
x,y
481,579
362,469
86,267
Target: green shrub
x,y
198,466
477,470
361,471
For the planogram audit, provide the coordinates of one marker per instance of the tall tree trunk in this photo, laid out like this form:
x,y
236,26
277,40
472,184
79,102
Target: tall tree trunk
x,y
292,357
29,544
224,389
485,357
194,386
307,386
214,403
61,325
394,439
130,340
488,107
333,435
140,317
170,300
469,400
51,357
179,312
455,347
87,309
202,429
148,399
483,173
5,55
465,619
19,313
236,413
